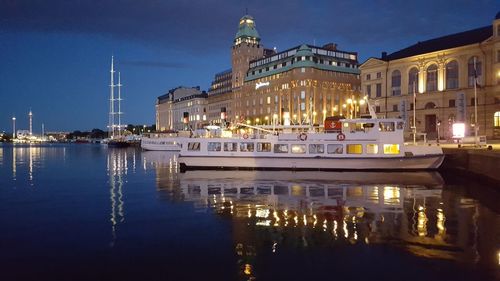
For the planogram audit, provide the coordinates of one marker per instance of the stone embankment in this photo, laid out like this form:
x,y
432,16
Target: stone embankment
x,y
481,163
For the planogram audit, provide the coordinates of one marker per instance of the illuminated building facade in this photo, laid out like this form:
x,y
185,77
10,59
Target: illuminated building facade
x,y
307,83
181,107
442,73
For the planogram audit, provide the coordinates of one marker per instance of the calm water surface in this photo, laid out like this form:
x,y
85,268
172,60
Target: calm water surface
x,y
85,212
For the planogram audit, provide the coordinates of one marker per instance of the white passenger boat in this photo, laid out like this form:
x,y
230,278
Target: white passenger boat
x,y
347,144
164,141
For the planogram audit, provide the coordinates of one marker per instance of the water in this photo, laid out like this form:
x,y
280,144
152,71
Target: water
x,y
85,212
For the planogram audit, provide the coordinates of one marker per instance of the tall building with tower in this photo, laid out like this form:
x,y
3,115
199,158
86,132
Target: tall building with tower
x,y
306,83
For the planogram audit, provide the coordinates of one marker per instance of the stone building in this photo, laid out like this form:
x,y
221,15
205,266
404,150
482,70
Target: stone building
x,y
181,108
307,83
444,73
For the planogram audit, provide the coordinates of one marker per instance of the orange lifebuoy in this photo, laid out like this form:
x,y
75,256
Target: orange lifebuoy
x,y
341,137
245,136
303,136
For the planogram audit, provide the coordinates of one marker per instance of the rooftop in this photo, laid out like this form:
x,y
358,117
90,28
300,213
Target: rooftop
x,y
442,43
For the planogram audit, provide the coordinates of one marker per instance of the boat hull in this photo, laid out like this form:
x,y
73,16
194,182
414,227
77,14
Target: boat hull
x,y
161,147
424,162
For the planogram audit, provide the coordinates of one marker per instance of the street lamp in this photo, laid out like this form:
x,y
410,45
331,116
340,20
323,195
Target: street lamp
x,y
257,121
14,127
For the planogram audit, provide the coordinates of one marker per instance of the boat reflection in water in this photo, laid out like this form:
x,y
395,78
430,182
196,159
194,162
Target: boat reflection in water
x,y
282,210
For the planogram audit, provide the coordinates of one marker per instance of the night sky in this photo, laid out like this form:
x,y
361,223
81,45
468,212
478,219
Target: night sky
x,y
55,55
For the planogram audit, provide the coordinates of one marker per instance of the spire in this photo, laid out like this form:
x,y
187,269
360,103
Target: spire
x,y
246,31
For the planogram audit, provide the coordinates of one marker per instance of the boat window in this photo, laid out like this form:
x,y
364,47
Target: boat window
x,y
194,146
386,126
391,148
230,146
335,149
264,147
316,148
372,148
214,146
401,125
354,149
246,147
280,148
298,148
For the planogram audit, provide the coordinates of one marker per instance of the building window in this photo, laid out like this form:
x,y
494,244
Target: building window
x,y
379,75
394,107
496,119
430,105
378,90
451,103
369,91
498,54
368,76
411,106
396,83
472,102
474,72
452,75
432,78
377,109
413,80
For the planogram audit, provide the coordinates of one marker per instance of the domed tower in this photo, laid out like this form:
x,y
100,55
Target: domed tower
x,y
246,47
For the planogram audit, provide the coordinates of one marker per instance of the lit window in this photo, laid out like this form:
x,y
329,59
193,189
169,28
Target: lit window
x,y
372,148
391,148
298,148
354,149
496,118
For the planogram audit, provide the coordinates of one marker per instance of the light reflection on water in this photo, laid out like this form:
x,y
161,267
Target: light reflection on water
x,y
415,211
133,197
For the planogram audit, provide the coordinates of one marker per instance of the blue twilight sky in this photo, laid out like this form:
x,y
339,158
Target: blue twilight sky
x,y
55,55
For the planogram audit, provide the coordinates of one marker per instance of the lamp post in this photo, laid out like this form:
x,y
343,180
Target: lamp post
x,y
13,127
267,120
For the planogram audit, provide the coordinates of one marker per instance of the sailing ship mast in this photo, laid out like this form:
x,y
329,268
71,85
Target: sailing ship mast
x,y
111,123
119,113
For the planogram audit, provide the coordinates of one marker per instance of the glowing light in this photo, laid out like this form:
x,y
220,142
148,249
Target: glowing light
x,y
248,269
458,130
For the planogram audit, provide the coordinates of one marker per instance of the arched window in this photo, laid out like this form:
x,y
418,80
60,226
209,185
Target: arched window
x,y
413,80
473,72
396,83
496,119
432,78
452,75
430,105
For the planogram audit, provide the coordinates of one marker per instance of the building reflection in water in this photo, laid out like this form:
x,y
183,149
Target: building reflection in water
x,y
272,209
117,169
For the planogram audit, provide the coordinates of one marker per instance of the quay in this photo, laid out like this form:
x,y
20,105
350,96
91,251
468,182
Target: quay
x,y
482,163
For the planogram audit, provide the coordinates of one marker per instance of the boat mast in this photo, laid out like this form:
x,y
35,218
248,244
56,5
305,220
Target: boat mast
x,y
119,113
111,124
